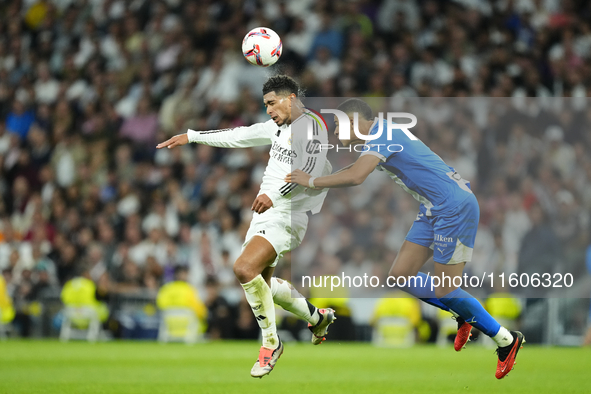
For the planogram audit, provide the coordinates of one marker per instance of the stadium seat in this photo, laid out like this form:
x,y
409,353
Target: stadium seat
x,y
80,319
394,332
179,324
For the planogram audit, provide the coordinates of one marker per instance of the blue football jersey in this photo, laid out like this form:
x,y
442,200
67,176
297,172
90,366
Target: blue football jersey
x,y
417,169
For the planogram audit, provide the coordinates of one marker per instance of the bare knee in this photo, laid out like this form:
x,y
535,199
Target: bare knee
x,y
244,271
448,275
255,260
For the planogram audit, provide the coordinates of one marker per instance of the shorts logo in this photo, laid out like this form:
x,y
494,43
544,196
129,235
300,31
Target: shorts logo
x,y
261,317
439,237
440,250
261,232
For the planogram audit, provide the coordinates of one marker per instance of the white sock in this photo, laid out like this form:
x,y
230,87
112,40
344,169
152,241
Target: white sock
x,y
289,299
503,337
258,295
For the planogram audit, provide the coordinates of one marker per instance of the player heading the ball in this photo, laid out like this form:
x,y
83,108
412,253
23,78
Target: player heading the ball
x,y
280,217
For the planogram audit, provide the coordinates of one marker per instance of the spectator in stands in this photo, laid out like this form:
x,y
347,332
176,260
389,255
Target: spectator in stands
x,y
328,36
80,158
46,87
20,119
180,294
540,251
6,308
221,315
324,66
141,128
81,291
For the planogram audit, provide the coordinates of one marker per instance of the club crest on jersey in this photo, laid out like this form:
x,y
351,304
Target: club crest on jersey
x,y
290,140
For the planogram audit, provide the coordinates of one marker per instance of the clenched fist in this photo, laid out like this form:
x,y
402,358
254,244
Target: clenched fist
x,y
262,203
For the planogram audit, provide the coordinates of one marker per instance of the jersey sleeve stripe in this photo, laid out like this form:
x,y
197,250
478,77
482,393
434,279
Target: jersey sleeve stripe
x,y
214,131
288,187
285,186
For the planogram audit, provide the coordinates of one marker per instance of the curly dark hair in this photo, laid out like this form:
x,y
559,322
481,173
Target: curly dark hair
x,y
281,84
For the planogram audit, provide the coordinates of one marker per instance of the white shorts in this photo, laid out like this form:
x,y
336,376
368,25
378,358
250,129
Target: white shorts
x,y
284,230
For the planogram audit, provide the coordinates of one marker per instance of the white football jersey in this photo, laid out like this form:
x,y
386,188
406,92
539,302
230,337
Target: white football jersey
x,y
291,148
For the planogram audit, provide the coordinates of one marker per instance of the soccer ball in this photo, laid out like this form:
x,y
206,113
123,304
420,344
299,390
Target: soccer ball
x,y
261,47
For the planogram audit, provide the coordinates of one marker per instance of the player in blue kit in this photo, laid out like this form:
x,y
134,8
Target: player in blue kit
x,y
445,227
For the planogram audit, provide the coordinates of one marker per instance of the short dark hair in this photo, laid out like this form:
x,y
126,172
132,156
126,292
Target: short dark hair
x,y
211,281
179,270
356,105
281,84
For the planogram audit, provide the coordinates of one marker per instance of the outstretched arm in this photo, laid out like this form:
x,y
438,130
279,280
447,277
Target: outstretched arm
x,y
353,176
238,137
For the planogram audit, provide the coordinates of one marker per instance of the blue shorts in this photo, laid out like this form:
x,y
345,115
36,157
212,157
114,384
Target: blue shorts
x,y
450,235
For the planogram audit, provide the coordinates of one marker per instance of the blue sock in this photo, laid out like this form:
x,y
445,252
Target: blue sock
x,y
471,311
423,290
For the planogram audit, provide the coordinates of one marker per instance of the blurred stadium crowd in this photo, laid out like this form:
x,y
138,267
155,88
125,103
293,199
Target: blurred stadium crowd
x,y
87,88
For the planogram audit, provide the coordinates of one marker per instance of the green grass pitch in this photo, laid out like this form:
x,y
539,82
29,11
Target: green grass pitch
x,y
223,367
